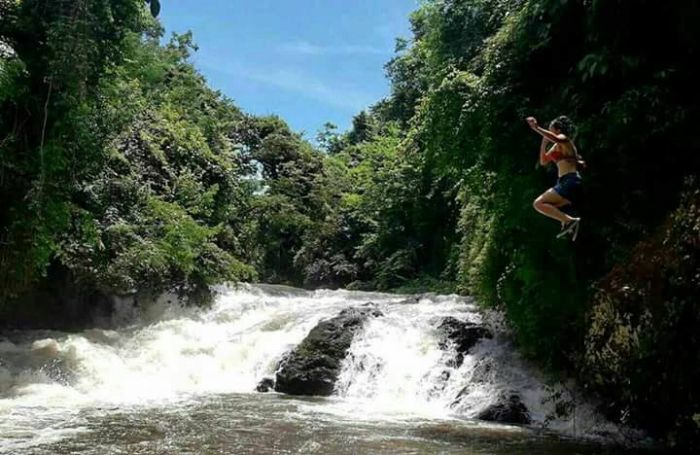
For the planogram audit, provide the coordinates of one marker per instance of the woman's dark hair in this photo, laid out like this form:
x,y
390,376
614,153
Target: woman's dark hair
x,y
565,125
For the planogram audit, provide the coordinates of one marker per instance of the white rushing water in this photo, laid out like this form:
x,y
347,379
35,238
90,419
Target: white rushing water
x,y
168,353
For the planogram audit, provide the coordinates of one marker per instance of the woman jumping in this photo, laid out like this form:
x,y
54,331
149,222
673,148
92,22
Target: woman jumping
x,y
555,201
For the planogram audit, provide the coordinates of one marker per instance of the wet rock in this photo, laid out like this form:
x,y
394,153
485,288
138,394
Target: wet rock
x,y
265,385
509,409
312,368
412,299
483,371
440,383
361,286
463,335
46,349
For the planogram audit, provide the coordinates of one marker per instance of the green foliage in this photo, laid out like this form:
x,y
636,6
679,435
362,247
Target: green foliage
x,y
57,54
118,162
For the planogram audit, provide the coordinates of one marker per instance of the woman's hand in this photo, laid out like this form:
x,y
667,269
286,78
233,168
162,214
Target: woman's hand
x,y
532,121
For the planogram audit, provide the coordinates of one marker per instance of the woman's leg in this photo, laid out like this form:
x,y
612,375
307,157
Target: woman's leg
x,y
548,204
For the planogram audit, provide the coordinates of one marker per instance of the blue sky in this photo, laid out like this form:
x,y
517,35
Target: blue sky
x,y
308,61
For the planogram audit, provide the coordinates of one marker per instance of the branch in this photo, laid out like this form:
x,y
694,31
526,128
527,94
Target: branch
x,y
43,132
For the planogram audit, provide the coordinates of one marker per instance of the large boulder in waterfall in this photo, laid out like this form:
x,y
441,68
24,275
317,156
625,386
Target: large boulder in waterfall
x,y
463,335
509,409
313,367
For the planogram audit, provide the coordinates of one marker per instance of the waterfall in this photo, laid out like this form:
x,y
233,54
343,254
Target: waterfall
x,y
170,353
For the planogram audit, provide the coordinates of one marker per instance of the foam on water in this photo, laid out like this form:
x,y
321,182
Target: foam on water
x,y
168,353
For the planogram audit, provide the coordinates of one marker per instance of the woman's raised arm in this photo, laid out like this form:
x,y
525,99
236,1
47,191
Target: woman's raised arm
x,y
551,137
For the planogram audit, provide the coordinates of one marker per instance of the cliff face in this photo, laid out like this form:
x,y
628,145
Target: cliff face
x,y
643,344
57,303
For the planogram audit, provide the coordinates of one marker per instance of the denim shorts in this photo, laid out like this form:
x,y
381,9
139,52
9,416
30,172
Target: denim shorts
x,y
569,186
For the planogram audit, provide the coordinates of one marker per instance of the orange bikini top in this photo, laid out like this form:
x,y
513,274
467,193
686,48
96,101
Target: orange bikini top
x,y
556,155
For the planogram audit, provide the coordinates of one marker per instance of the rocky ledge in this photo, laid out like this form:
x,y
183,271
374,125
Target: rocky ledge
x,y
463,335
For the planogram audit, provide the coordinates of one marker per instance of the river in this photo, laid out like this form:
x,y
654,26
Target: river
x,y
170,379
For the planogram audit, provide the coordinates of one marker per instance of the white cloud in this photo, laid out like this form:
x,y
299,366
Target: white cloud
x,y
297,81
306,48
